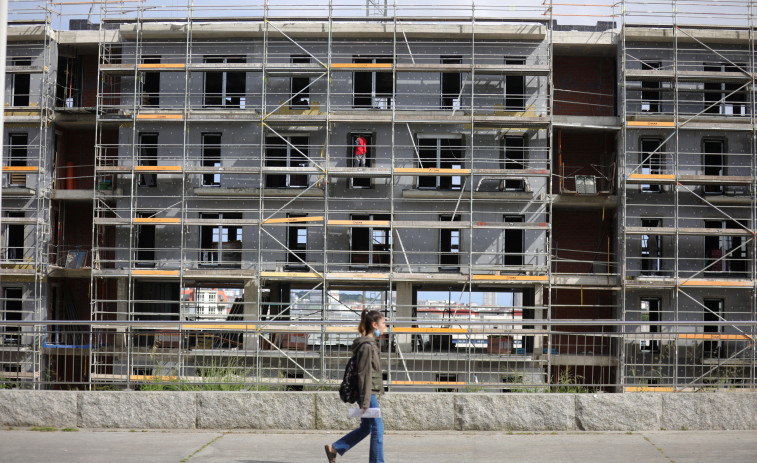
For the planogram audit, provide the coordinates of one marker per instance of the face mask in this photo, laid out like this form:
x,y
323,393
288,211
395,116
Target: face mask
x,y
376,332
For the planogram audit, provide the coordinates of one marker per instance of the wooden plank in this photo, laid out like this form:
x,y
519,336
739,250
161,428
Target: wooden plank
x,y
361,65
359,223
158,66
652,177
649,389
158,220
20,169
166,273
157,168
294,220
650,124
290,275
723,283
525,278
714,336
430,171
160,117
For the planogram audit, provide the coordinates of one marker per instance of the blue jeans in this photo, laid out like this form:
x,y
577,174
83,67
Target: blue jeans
x,y
372,426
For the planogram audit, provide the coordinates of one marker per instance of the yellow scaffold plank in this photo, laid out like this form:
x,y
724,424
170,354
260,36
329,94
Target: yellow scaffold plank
x,y
361,65
19,168
649,389
157,66
430,330
511,277
651,124
159,117
724,283
715,337
430,171
294,220
153,273
157,168
651,177
157,220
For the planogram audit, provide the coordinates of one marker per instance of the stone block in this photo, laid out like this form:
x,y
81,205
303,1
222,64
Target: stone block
x,y
256,410
137,410
418,411
709,411
55,409
517,412
618,412
331,412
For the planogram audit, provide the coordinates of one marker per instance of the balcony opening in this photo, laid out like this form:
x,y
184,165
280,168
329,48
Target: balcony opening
x,y
515,87
21,83
440,153
300,92
725,254
225,89
151,84
372,89
14,239
514,153
211,157
650,90
148,156
358,160
651,249
451,84
286,152
514,242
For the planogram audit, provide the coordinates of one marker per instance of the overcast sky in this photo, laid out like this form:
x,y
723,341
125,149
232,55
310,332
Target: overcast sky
x,y
722,12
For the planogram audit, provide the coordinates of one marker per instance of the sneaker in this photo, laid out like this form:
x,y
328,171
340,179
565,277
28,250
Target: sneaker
x,y
331,455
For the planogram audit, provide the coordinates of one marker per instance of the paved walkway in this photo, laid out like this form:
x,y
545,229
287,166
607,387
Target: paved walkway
x,y
305,447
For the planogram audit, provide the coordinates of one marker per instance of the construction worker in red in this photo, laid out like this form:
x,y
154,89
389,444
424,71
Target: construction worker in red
x,y
360,150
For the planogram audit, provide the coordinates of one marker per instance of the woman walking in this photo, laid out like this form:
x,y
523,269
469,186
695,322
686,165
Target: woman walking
x,y
370,385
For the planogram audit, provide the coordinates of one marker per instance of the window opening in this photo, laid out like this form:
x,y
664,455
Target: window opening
x,y
297,243
361,143
144,242
221,244
716,94
650,90
14,239
515,159
713,311
21,83
440,153
12,311
451,84
371,245
651,162
651,249
716,246
449,245
714,164
151,83
148,156
372,89
226,88
279,153
514,242
650,313
300,92
211,157
17,149
515,87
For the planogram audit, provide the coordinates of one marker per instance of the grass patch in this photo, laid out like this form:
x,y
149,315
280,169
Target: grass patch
x,y
44,428
70,429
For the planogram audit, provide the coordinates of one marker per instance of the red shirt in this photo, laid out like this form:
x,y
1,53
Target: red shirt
x,y
360,148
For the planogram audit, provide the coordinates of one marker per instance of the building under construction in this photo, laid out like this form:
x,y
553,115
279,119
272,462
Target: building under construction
x,y
206,194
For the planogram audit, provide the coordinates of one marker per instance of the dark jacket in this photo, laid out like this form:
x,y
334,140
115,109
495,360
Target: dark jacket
x,y
368,369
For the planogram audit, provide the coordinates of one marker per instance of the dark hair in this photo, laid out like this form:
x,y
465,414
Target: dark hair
x,y
367,319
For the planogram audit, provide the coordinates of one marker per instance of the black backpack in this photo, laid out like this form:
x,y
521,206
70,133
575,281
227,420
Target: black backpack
x,y
348,390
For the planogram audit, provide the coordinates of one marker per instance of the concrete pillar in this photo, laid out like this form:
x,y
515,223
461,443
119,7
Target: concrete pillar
x,y
251,312
404,311
539,314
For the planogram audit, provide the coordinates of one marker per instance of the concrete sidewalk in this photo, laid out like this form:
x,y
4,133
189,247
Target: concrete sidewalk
x,y
437,447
